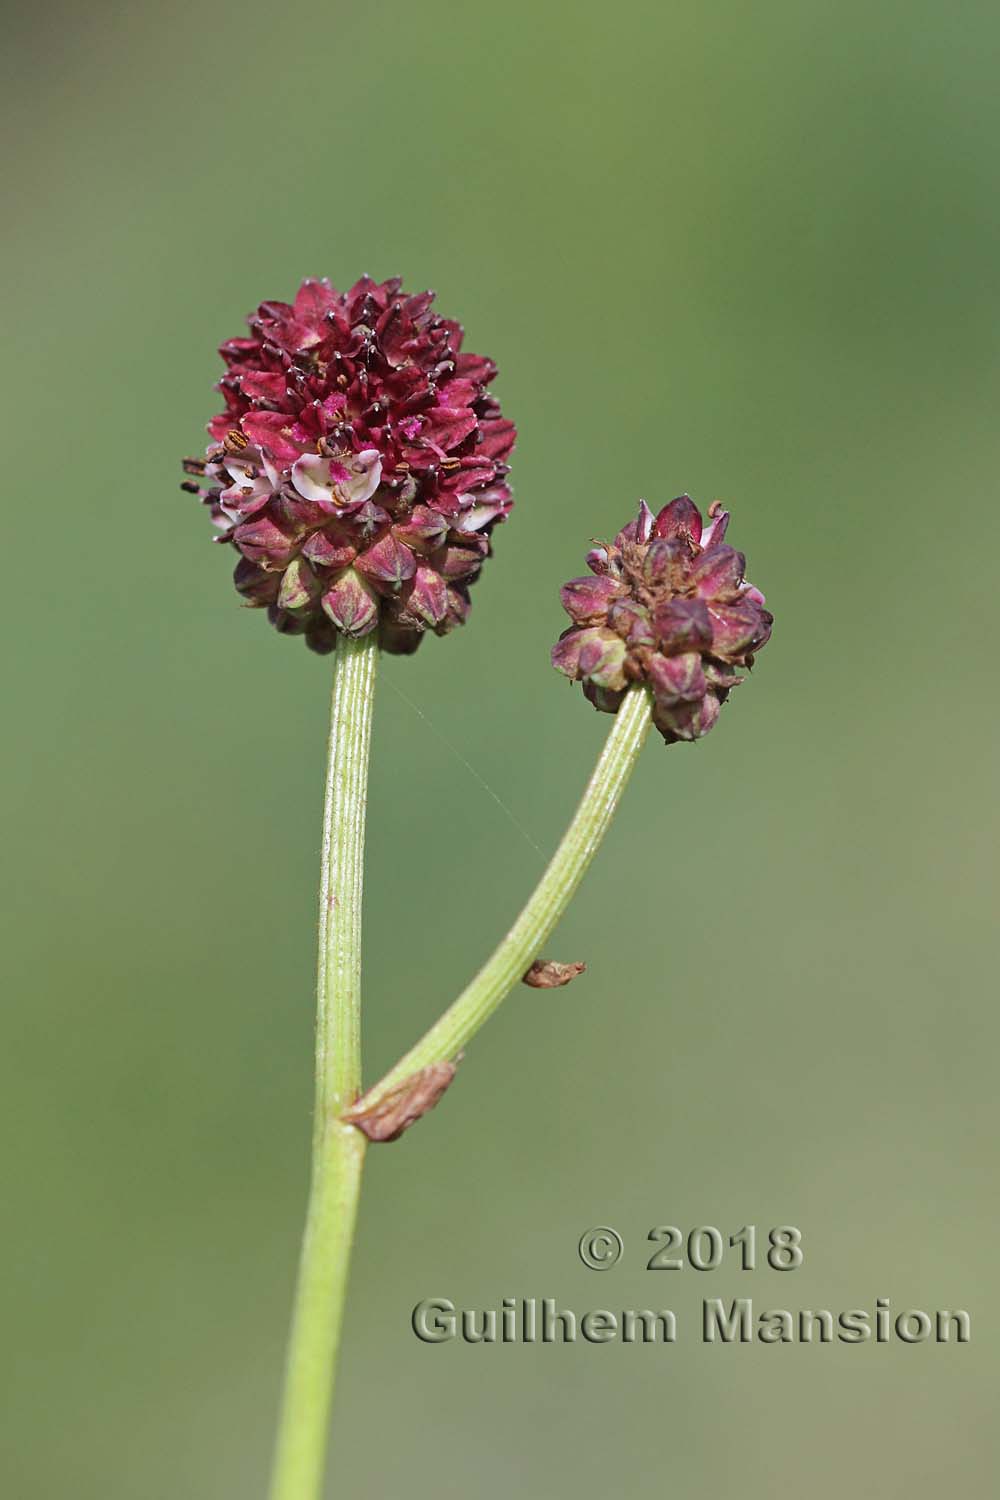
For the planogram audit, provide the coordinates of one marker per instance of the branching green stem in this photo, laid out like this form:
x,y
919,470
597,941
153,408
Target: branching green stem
x,y
529,934
338,1149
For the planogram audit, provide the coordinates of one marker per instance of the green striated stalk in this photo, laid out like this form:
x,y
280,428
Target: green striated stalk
x,y
338,1149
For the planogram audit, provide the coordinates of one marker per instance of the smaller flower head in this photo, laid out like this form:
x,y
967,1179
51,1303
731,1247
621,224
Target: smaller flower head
x,y
666,603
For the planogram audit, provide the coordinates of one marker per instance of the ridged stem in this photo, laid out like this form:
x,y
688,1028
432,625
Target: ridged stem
x,y
338,1149
529,934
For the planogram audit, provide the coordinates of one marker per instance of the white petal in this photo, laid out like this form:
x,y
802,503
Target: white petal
x,y
366,471
475,517
311,477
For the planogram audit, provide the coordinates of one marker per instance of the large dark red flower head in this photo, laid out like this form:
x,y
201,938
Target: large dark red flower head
x,y
360,464
668,605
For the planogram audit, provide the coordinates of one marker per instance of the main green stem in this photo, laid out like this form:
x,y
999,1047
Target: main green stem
x,y
338,1149
533,928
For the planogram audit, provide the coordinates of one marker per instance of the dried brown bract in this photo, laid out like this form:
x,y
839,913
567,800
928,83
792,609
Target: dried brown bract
x,y
388,1117
546,974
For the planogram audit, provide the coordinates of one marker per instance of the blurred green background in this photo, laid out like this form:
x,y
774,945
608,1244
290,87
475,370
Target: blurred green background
x,y
745,250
